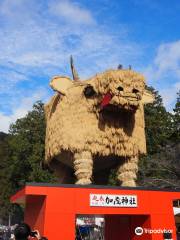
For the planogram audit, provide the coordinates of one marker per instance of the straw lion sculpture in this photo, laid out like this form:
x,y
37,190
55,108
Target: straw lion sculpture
x,y
96,125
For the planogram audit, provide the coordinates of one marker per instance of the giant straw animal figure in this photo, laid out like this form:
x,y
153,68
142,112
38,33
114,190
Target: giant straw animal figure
x,y
96,125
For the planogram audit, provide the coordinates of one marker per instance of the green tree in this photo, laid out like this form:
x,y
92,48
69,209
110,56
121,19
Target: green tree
x,y
27,144
4,176
161,169
25,155
176,121
161,166
158,124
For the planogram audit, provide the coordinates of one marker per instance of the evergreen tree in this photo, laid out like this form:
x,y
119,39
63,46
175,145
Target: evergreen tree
x,y
4,176
161,166
176,121
158,124
22,158
27,144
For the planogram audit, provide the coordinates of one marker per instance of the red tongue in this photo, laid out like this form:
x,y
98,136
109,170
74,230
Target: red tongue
x,y
106,99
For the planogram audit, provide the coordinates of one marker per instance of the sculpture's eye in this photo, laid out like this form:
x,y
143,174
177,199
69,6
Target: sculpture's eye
x,y
135,90
120,88
89,91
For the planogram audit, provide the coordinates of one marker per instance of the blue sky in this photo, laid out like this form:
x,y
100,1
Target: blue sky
x,y
37,38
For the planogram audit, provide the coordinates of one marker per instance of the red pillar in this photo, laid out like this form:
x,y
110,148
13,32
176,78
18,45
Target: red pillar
x,y
163,221
60,216
35,212
60,226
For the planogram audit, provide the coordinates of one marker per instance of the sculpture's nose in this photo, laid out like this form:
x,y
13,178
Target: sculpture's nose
x,y
120,89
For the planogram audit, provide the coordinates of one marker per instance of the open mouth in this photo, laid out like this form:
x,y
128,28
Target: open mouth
x,y
118,109
117,117
113,113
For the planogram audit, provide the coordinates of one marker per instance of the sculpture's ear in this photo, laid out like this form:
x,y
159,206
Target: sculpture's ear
x,y
61,84
147,97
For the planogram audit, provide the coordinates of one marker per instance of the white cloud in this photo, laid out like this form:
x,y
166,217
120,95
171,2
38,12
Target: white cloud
x,y
169,95
164,72
33,41
167,60
9,78
8,7
6,120
71,12
20,109
36,43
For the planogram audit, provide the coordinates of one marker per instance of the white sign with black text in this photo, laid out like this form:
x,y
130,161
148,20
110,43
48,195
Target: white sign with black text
x,y
109,200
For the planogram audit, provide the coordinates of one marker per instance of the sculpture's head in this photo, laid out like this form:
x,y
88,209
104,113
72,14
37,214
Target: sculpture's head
x,y
109,94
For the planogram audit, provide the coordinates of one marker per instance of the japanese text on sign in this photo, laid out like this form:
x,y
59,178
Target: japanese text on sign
x,y
108,200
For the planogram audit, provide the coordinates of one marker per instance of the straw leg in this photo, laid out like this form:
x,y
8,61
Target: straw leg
x,y
83,166
127,172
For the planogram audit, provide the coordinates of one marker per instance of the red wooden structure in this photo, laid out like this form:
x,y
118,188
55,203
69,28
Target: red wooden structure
x,y
53,210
